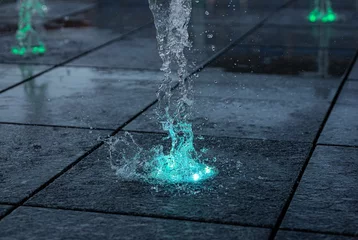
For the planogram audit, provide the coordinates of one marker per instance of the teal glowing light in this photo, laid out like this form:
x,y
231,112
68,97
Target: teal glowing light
x,y
330,16
183,164
314,15
28,39
23,50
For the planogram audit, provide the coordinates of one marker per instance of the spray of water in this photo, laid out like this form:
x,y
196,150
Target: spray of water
x,y
181,163
28,39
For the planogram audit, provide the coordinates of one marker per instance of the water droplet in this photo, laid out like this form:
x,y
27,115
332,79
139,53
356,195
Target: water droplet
x,y
207,13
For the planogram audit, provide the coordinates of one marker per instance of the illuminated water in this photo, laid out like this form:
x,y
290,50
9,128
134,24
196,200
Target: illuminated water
x,y
28,38
181,163
322,12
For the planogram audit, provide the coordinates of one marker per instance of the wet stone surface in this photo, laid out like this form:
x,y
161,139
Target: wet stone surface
x,y
259,107
315,36
254,181
64,38
12,74
292,235
3,209
30,156
139,50
342,125
254,106
61,224
82,97
326,199
354,73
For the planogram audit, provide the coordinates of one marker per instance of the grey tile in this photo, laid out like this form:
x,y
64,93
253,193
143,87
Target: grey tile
x,y
254,181
327,197
316,36
84,97
292,235
136,51
12,74
139,50
37,223
304,62
353,75
270,94
3,209
30,156
342,126
254,106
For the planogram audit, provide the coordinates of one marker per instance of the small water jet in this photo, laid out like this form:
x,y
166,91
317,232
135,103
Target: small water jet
x,y
28,39
182,163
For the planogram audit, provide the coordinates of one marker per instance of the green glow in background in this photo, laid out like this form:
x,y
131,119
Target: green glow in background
x,y
322,12
27,37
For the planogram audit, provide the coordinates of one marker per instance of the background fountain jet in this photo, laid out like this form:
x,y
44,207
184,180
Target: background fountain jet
x,y
322,11
28,38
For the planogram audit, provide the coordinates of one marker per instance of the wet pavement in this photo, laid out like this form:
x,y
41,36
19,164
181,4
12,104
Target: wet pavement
x,y
275,104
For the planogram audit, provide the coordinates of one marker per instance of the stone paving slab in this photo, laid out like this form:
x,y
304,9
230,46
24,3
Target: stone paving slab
x,y
353,75
327,197
254,181
286,107
316,36
254,106
82,97
139,50
37,223
11,74
342,126
292,235
288,61
30,156
3,209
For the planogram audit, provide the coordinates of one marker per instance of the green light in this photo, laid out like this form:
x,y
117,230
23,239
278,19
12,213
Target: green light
x,y
314,15
330,16
23,51
323,15
183,164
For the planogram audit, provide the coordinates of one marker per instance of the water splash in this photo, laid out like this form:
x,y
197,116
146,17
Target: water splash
x,y
182,163
28,39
